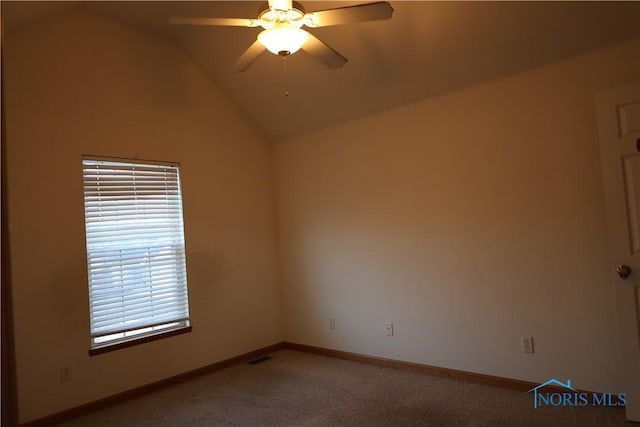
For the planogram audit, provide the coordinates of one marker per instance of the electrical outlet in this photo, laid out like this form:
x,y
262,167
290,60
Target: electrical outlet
x,y
65,374
332,323
388,327
527,344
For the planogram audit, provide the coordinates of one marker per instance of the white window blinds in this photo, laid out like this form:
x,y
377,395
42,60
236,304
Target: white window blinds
x,y
135,249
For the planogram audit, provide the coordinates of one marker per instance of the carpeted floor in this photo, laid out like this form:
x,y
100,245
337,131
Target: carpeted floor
x,y
300,389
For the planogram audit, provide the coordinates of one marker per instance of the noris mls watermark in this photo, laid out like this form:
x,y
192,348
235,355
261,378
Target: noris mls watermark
x,y
568,396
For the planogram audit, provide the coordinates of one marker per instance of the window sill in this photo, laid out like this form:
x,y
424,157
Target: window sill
x,y
136,341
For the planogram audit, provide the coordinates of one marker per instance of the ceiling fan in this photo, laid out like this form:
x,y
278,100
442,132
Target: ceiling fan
x,y
282,34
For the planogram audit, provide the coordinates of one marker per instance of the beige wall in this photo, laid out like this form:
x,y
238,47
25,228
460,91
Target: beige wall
x,y
468,220
78,84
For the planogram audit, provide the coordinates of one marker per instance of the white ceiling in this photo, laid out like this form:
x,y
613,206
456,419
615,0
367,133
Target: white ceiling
x,y
426,49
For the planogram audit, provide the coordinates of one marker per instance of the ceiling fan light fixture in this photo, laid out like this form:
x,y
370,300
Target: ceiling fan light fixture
x,y
283,40
282,21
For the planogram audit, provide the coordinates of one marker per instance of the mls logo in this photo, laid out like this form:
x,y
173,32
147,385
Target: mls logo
x,y
568,396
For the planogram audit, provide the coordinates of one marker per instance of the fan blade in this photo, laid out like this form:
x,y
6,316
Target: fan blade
x,y
248,57
329,57
349,14
280,4
227,22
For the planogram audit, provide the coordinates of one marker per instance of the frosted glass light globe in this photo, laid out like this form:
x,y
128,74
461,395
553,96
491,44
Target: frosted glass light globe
x,y
283,40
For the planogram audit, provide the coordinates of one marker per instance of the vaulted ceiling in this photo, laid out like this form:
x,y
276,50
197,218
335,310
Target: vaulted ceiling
x,y
426,49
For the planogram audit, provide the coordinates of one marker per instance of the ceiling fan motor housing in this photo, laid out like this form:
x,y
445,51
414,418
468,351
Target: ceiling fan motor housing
x,y
270,18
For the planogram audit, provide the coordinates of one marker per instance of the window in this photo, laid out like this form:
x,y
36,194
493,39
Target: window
x,y
135,251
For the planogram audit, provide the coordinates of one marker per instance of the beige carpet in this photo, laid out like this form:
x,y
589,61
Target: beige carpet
x,y
300,389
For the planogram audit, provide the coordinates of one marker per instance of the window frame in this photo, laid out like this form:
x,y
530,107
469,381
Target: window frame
x,y
150,331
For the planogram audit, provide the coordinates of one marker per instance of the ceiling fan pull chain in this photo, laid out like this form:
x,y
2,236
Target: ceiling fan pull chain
x,y
284,71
